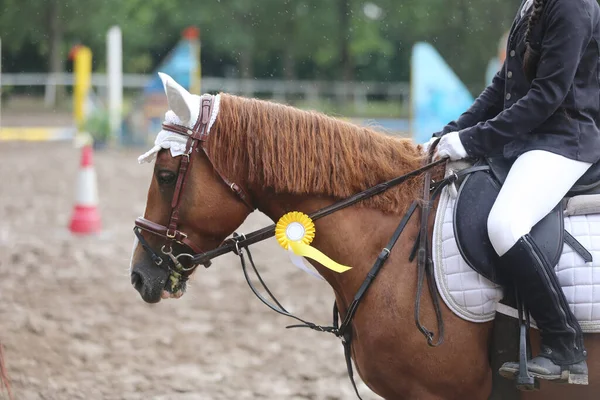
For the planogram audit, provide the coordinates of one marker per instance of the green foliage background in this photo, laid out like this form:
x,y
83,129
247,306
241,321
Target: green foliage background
x,y
291,39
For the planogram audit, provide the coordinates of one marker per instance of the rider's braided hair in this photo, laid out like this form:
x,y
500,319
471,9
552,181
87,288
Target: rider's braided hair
x,y
532,54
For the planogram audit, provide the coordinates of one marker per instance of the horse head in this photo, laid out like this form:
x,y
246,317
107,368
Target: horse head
x,y
189,208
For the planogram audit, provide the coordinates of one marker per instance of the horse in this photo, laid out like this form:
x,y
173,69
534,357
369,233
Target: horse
x,y
258,155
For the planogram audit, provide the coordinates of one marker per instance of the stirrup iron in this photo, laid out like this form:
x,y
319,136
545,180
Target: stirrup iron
x,y
525,381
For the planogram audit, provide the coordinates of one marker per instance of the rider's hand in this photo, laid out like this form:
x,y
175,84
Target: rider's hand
x,y
451,147
427,145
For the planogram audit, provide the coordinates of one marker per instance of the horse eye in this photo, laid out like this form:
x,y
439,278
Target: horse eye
x,y
165,177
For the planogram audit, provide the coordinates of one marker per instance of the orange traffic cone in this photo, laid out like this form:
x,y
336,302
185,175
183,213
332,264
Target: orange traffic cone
x,y
86,218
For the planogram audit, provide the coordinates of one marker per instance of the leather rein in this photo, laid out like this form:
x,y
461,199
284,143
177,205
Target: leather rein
x,y
239,244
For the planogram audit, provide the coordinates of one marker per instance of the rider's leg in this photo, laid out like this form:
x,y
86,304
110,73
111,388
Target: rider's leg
x,y
536,183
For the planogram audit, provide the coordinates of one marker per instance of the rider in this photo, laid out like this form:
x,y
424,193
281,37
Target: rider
x,y
542,108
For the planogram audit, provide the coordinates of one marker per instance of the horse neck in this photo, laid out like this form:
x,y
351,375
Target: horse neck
x,y
356,158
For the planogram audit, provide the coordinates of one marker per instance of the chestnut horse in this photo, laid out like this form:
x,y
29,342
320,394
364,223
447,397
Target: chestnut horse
x,y
281,159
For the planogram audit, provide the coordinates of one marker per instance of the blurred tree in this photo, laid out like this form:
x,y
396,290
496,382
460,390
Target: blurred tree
x,y
345,34
292,39
41,27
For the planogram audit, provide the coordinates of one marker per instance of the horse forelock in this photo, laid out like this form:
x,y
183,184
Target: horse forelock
x,y
308,153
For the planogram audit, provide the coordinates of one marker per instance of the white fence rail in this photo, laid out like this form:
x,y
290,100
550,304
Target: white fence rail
x,y
276,89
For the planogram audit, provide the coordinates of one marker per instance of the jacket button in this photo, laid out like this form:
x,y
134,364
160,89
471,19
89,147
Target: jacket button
x,y
512,53
508,96
509,74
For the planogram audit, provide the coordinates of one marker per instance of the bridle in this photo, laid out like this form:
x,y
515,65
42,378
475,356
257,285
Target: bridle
x,y
197,137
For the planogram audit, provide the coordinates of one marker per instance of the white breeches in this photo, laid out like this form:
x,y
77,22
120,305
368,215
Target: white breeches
x,y
536,183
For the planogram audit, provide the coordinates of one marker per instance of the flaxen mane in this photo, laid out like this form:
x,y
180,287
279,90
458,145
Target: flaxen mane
x,y
301,152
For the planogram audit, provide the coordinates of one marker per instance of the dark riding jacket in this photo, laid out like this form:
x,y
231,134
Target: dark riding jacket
x,y
559,110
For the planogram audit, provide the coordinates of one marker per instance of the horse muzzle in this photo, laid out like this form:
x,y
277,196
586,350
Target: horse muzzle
x,y
149,281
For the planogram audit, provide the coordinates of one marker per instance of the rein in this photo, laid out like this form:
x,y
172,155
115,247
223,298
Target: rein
x,y
267,232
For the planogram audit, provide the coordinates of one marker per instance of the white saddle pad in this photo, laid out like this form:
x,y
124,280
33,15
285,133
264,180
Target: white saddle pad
x,y
474,298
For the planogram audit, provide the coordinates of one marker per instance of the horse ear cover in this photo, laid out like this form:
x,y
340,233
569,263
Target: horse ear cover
x,y
180,100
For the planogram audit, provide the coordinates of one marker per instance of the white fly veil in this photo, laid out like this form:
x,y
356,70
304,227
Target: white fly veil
x,y
175,142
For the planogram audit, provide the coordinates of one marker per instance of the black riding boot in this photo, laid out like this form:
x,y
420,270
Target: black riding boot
x,y
562,357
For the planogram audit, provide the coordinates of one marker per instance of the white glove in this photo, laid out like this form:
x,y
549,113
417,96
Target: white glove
x,y
450,146
427,145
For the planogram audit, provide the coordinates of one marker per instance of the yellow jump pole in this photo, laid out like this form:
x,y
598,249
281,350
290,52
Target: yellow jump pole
x,y
82,71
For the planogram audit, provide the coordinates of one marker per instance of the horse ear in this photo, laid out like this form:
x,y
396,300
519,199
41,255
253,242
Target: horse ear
x,y
180,100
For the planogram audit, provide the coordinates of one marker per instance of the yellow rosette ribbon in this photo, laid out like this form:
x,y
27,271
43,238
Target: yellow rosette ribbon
x,y
295,231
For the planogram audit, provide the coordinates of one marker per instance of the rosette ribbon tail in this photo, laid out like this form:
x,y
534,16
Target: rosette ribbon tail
x,y
298,261
307,251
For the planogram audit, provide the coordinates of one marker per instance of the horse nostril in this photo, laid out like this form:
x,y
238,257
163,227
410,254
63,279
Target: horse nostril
x,y
137,281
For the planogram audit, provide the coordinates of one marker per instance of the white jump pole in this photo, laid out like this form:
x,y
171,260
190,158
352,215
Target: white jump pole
x,y
115,80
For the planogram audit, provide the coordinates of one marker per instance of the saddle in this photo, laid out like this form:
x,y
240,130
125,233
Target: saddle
x,y
476,195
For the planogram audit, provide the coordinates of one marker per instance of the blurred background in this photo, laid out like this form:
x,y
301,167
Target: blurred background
x,y
391,63
71,324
